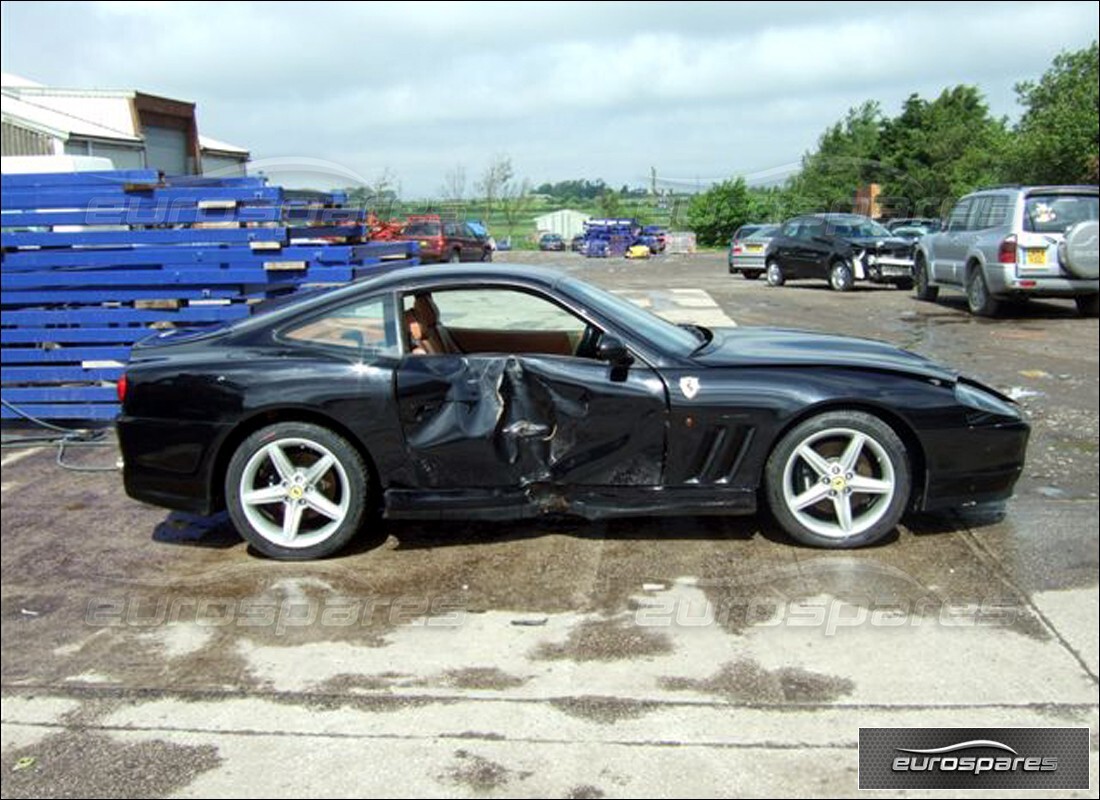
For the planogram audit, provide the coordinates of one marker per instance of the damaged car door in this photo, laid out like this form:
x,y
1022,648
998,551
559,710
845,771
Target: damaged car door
x,y
505,388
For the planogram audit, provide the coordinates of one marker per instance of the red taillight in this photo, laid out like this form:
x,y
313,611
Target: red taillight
x,y
1006,253
121,387
737,249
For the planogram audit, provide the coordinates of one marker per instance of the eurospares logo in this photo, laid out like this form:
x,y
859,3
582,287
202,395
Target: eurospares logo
x,y
973,758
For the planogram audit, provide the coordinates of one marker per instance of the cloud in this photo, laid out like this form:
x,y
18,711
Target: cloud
x,y
568,89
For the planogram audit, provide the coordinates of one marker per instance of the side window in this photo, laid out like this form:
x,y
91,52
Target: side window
x,y
996,213
956,220
492,320
979,210
790,230
502,310
365,326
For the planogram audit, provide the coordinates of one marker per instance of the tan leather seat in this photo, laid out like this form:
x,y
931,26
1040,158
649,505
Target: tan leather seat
x,y
433,338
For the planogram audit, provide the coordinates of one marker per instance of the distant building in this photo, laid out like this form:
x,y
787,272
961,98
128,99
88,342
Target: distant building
x,y
134,129
567,223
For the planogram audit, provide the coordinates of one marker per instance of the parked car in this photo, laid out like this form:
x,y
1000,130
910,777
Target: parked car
x,y
638,250
656,237
1012,243
747,249
838,248
551,241
442,240
577,243
505,391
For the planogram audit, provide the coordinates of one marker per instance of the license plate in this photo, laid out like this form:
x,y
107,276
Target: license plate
x,y
754,248
1036,257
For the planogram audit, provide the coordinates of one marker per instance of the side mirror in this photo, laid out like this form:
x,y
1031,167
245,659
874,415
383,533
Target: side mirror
x,y
612,350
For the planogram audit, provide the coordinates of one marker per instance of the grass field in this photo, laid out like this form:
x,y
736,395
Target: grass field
x,y
670,213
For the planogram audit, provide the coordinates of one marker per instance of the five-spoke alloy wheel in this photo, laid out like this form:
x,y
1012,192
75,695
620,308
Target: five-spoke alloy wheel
x,y
296,490
840,479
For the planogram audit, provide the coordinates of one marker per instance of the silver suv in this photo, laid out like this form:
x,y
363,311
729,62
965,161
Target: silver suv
x,y
1011,243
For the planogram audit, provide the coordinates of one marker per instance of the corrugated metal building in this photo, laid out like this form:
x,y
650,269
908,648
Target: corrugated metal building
x,y
134,129
567,223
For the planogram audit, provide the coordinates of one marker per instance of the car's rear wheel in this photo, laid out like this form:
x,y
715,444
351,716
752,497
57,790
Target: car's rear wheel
x,y
1088,305
839,480
751,274
775,274
978,299
841,278
455,257
297,491
921,283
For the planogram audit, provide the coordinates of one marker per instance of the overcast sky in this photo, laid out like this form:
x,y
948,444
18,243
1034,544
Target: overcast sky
x,y
701,91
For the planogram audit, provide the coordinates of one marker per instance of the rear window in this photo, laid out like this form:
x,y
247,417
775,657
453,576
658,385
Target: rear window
x,y
422,229
1053,213
767,232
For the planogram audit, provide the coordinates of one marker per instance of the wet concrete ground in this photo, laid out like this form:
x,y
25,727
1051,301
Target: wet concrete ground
x,y
151,654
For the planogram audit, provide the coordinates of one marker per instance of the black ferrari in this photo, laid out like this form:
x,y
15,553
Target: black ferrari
x,y
508,391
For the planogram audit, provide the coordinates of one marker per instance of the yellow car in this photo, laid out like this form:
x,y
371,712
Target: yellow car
x,y
638,251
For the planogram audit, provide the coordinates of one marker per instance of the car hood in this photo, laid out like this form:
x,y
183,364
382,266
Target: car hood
x,y
751,347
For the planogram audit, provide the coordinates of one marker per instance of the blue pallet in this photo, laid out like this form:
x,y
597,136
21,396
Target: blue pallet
x,y
62,374
37,260
89,335
124,315
64,355
96,197
163,214
100,238
117,177
59,394
69,296
74,411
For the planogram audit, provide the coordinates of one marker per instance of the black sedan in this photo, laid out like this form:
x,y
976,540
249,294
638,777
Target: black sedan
x,y
841,249
508,391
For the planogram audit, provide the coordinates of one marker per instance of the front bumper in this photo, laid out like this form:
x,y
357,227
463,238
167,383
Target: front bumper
x,y
979,465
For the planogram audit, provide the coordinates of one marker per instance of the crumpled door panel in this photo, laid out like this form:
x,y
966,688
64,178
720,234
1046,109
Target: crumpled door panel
x,y
478,421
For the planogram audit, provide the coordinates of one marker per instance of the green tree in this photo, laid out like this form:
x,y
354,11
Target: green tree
x,y
1056,139
847,156
716,213
935,151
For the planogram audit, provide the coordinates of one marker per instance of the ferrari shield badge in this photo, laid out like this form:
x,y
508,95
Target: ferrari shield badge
x,y
689,385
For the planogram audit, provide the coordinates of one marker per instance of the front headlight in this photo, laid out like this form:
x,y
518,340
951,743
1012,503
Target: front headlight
x,y
974,396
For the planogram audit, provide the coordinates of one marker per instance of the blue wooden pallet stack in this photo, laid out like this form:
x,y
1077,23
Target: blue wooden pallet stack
x,y
92,262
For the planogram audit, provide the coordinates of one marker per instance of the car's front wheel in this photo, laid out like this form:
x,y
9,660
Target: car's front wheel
x,y
775,274
297,491
839,480
841,278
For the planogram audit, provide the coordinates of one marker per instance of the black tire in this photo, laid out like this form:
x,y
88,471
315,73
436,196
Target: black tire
x,y
774,274
841,278
751,274
329,507
487,254
921,287
978,299
875,487
455,257
1088,305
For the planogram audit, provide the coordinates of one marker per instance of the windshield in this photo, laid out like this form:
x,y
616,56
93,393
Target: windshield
x,y
858,229
663,334
1054,213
